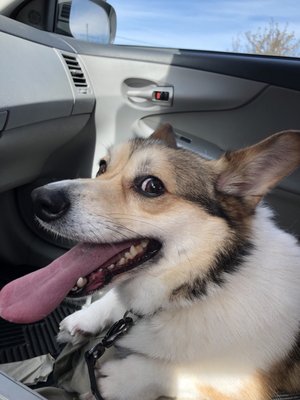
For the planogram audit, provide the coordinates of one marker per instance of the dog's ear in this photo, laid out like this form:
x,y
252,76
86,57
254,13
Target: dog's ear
x,y
253,171
166,134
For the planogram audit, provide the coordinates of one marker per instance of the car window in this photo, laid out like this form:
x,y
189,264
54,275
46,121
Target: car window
x,y
265,27
269,27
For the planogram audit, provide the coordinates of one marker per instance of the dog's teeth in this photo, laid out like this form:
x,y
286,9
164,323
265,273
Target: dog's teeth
x,y
128,256
81,282
74,289
144,243
100,269
133,251
112,266
139,249
122,261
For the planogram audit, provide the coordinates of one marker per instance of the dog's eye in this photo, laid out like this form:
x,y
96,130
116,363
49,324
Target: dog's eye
x,y
102,167
150,186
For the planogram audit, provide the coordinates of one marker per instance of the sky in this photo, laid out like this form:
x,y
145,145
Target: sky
x,y
199,24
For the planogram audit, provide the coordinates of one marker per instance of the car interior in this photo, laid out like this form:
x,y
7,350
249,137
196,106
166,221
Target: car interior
x,y
63,101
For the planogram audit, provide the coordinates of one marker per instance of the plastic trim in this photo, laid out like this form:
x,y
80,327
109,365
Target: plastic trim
x,y
15,28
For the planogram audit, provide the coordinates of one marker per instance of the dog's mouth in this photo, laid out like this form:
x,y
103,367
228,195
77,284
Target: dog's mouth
x,y
81,271
137,253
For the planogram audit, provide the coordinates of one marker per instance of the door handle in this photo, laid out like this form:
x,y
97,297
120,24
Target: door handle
x,y
159,95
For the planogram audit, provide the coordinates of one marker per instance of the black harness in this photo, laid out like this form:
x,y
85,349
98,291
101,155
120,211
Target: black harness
x,y
117,330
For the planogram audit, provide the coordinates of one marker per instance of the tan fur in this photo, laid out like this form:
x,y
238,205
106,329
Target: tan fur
x,y
256,389
283,377
114,189
166,134
212,394
251,172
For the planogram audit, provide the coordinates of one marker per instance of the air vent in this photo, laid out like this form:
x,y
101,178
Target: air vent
x,y
65,11
76,71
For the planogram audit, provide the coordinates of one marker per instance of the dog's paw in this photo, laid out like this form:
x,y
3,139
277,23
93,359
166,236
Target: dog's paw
x,y
115,381
76,328
123,380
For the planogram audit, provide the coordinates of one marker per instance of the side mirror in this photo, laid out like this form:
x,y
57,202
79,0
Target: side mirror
x,y
93,21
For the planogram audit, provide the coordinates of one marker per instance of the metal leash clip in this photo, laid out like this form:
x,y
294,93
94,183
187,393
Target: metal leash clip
x,y
117,330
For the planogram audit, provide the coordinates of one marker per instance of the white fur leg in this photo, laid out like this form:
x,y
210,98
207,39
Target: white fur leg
x,y
86,396
91,320
135,378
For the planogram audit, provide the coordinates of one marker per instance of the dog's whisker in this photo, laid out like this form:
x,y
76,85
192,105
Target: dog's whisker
x,y
146,222
176,246
119,234
141,221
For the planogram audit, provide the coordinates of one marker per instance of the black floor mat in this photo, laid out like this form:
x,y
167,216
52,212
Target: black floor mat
x,y
19,342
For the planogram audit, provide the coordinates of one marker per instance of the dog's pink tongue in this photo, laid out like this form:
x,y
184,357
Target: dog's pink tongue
x,y
34,296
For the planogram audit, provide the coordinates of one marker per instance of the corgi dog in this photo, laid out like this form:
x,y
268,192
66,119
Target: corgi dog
x,y
186,244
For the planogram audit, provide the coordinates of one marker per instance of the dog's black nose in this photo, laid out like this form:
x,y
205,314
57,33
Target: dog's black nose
x,y
50,203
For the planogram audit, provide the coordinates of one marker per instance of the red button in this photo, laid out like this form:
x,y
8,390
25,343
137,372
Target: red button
x,y
157,95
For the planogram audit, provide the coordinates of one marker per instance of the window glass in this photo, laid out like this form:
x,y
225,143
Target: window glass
x,y
248,26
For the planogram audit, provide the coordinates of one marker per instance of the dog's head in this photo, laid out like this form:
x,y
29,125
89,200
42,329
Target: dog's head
x,y
175,220
162,222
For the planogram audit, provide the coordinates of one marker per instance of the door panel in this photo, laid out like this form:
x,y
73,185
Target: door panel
x,y
193,91
33,83
47,133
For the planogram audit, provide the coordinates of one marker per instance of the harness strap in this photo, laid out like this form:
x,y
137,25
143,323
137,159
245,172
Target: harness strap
x,y
114,333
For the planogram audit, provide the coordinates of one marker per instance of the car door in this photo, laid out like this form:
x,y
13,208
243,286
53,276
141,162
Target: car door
x,y
56,125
